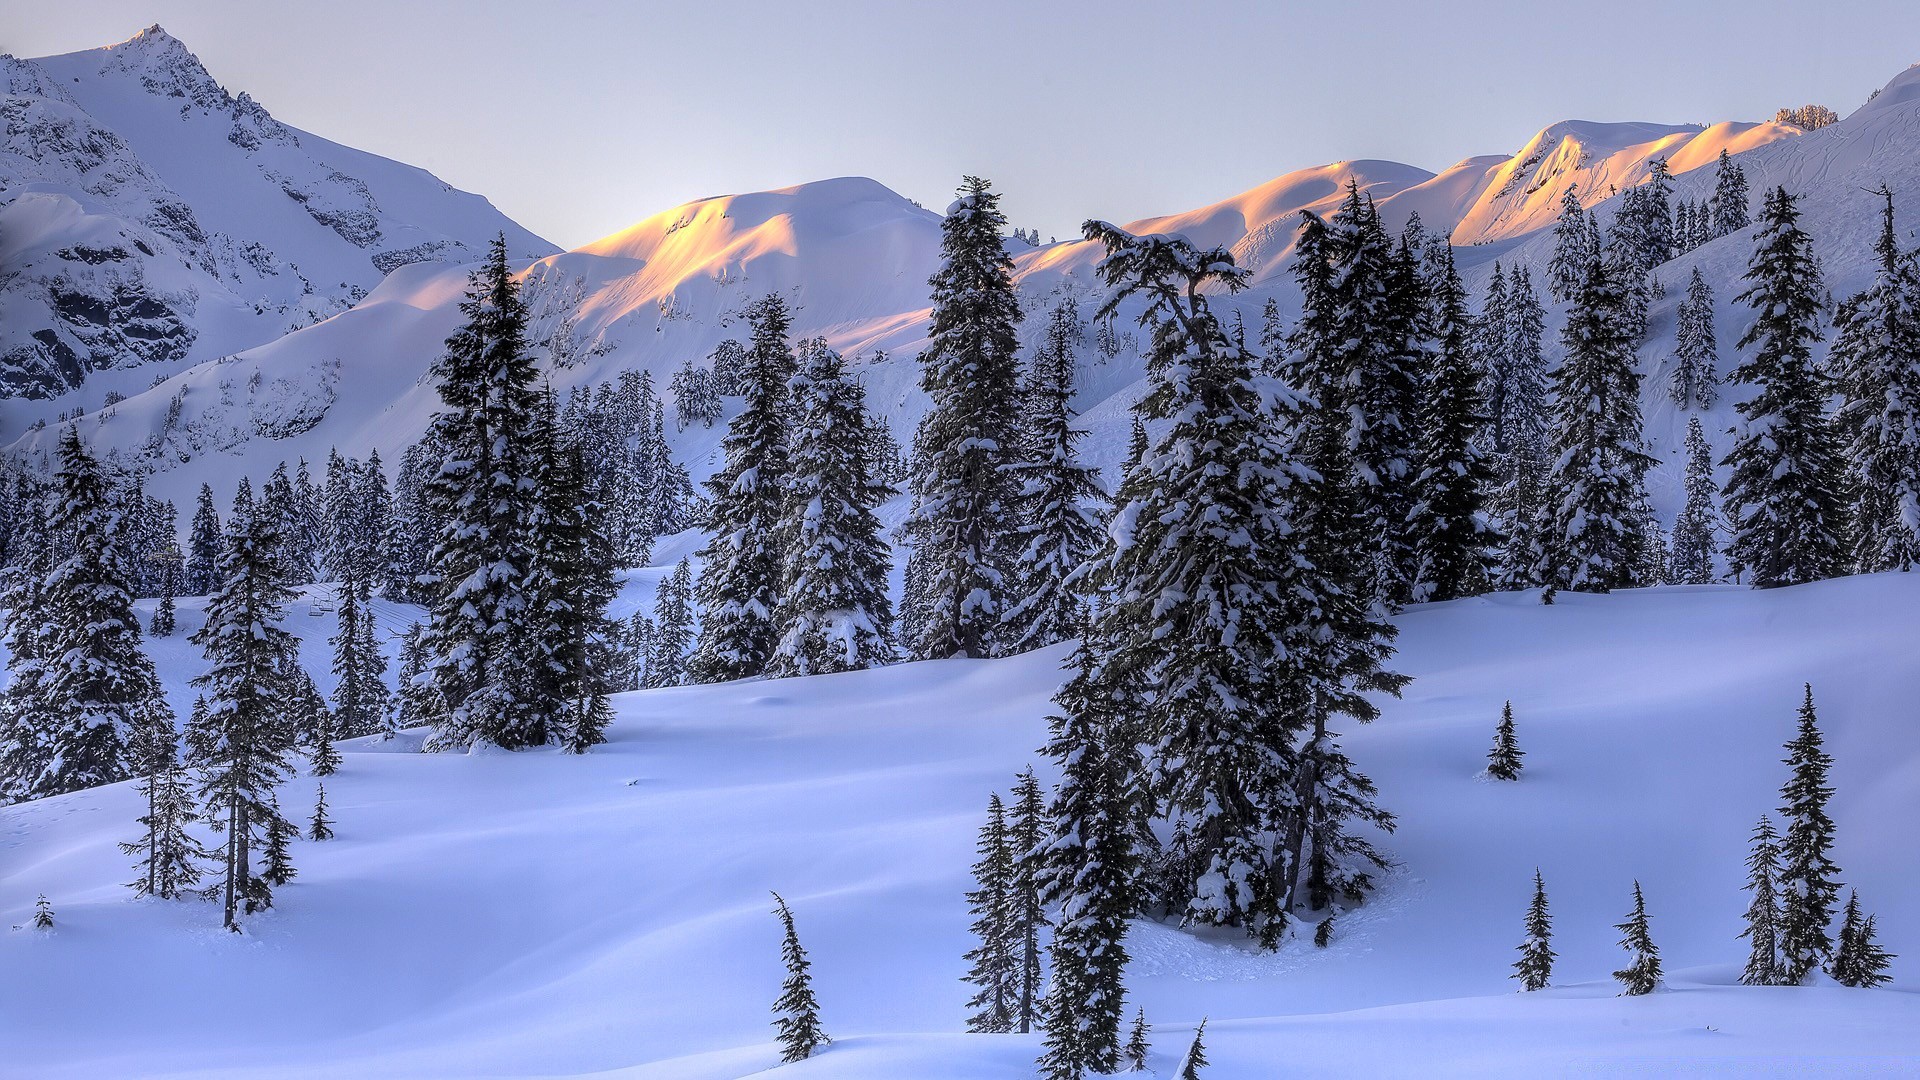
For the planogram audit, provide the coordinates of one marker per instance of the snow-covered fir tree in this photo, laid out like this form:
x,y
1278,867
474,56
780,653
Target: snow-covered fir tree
x,y
1784,495
203,546
278,855
1061,500
1534,969
1809,885
320,826
1574,248
169,854
24,704
1137,1048
42,913
417,693
1763,908
1696,532
313,723
1695,383
414,525
1859,960
1196,1056
740,568
1451,477
992,970
1592,535
963,493
96,678
1514,373
672,629
165,614
1026,831
1503,761
486,496
360,698
1642,973
240,744
797,1011
696,396
731,368
1876,358
1643,224
834,613
1728,204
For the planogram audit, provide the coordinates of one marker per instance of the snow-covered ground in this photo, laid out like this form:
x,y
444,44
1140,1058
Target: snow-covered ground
x,y
522,915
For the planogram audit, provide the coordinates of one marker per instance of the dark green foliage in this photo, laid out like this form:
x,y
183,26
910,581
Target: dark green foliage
x,y
42,913
1763,911
1137,1048
1534,969
1503,761
321,827
993,971
1642,973
1809,889
798,1013
1859,961
1196,1058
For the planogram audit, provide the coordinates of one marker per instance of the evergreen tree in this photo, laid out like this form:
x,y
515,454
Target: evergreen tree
x,y
1573,250
1503,761
42,913
279,868
1592,535
671,629
1784,496
1137,1048
1196,1058
963,491
169,854
1808,886
1060,526
321,827
1642,973
1518,440
313,723
164,623
1697,530
1859,961
696,396
834,611
740,570
1695,356
485,495
798,1013
1876,355
731,368
1026,831
418,692
994,972
1728,205
1534,969
96,678
360,699
1451,478
203,546
24,702
1763,911
240,743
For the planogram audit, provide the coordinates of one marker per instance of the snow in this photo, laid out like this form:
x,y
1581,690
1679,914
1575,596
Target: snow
x,y
534,914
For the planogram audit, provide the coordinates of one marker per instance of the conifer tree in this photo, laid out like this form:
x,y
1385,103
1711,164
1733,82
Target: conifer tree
x,y
798,1013
1694,383
360,698
1059,520
1642,973
1137,1048
1573,250
1783,495
485,494
169,854
1697,530
1859,960
1503,761
203,546
740,569
419,694
671,629
24,702
314,724
1534,969
730,365
279,868
1026,831
1516,371
1196,1058
994,973
1763,911
1728,204
1808,886
834,611
1876,356
42,913
1593,534
96,678
696,396
963,491
241,742
1451,478
321,827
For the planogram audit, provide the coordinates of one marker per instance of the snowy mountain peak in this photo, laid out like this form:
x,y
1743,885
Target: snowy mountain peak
x,y
166,67
1902,88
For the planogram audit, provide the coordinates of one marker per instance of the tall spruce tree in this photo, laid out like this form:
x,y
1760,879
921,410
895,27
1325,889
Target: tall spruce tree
x,y
169,855
1876,356
1573,250
1534,969
1809,888
1694,384
1593,535
1728,204
1763,910
1451,477
797,1011
1137,1048
993,973
672,629
1784,493
834,611
1503,761
1026,832
241,742
485,494
1518,439
1859,960
739,576
1196,1058
1060,521
1642,973
1696,532
203,546
360,699
963,492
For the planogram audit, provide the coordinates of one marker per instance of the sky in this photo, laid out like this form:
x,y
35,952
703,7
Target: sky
x,y
579,118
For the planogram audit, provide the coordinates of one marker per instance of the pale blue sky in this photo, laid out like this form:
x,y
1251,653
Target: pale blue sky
x,y
578,118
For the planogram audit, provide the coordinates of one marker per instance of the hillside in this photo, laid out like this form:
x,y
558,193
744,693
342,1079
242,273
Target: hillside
x,y
539,915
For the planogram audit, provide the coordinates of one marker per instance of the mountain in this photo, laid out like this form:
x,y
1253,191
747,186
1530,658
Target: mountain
x,y
541,914
150,220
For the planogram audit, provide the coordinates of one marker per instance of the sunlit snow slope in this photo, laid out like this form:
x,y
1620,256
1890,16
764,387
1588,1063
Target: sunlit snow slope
x,y
522,915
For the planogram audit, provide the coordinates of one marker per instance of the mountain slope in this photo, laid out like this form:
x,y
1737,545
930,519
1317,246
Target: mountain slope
x,y
543,915
150,218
